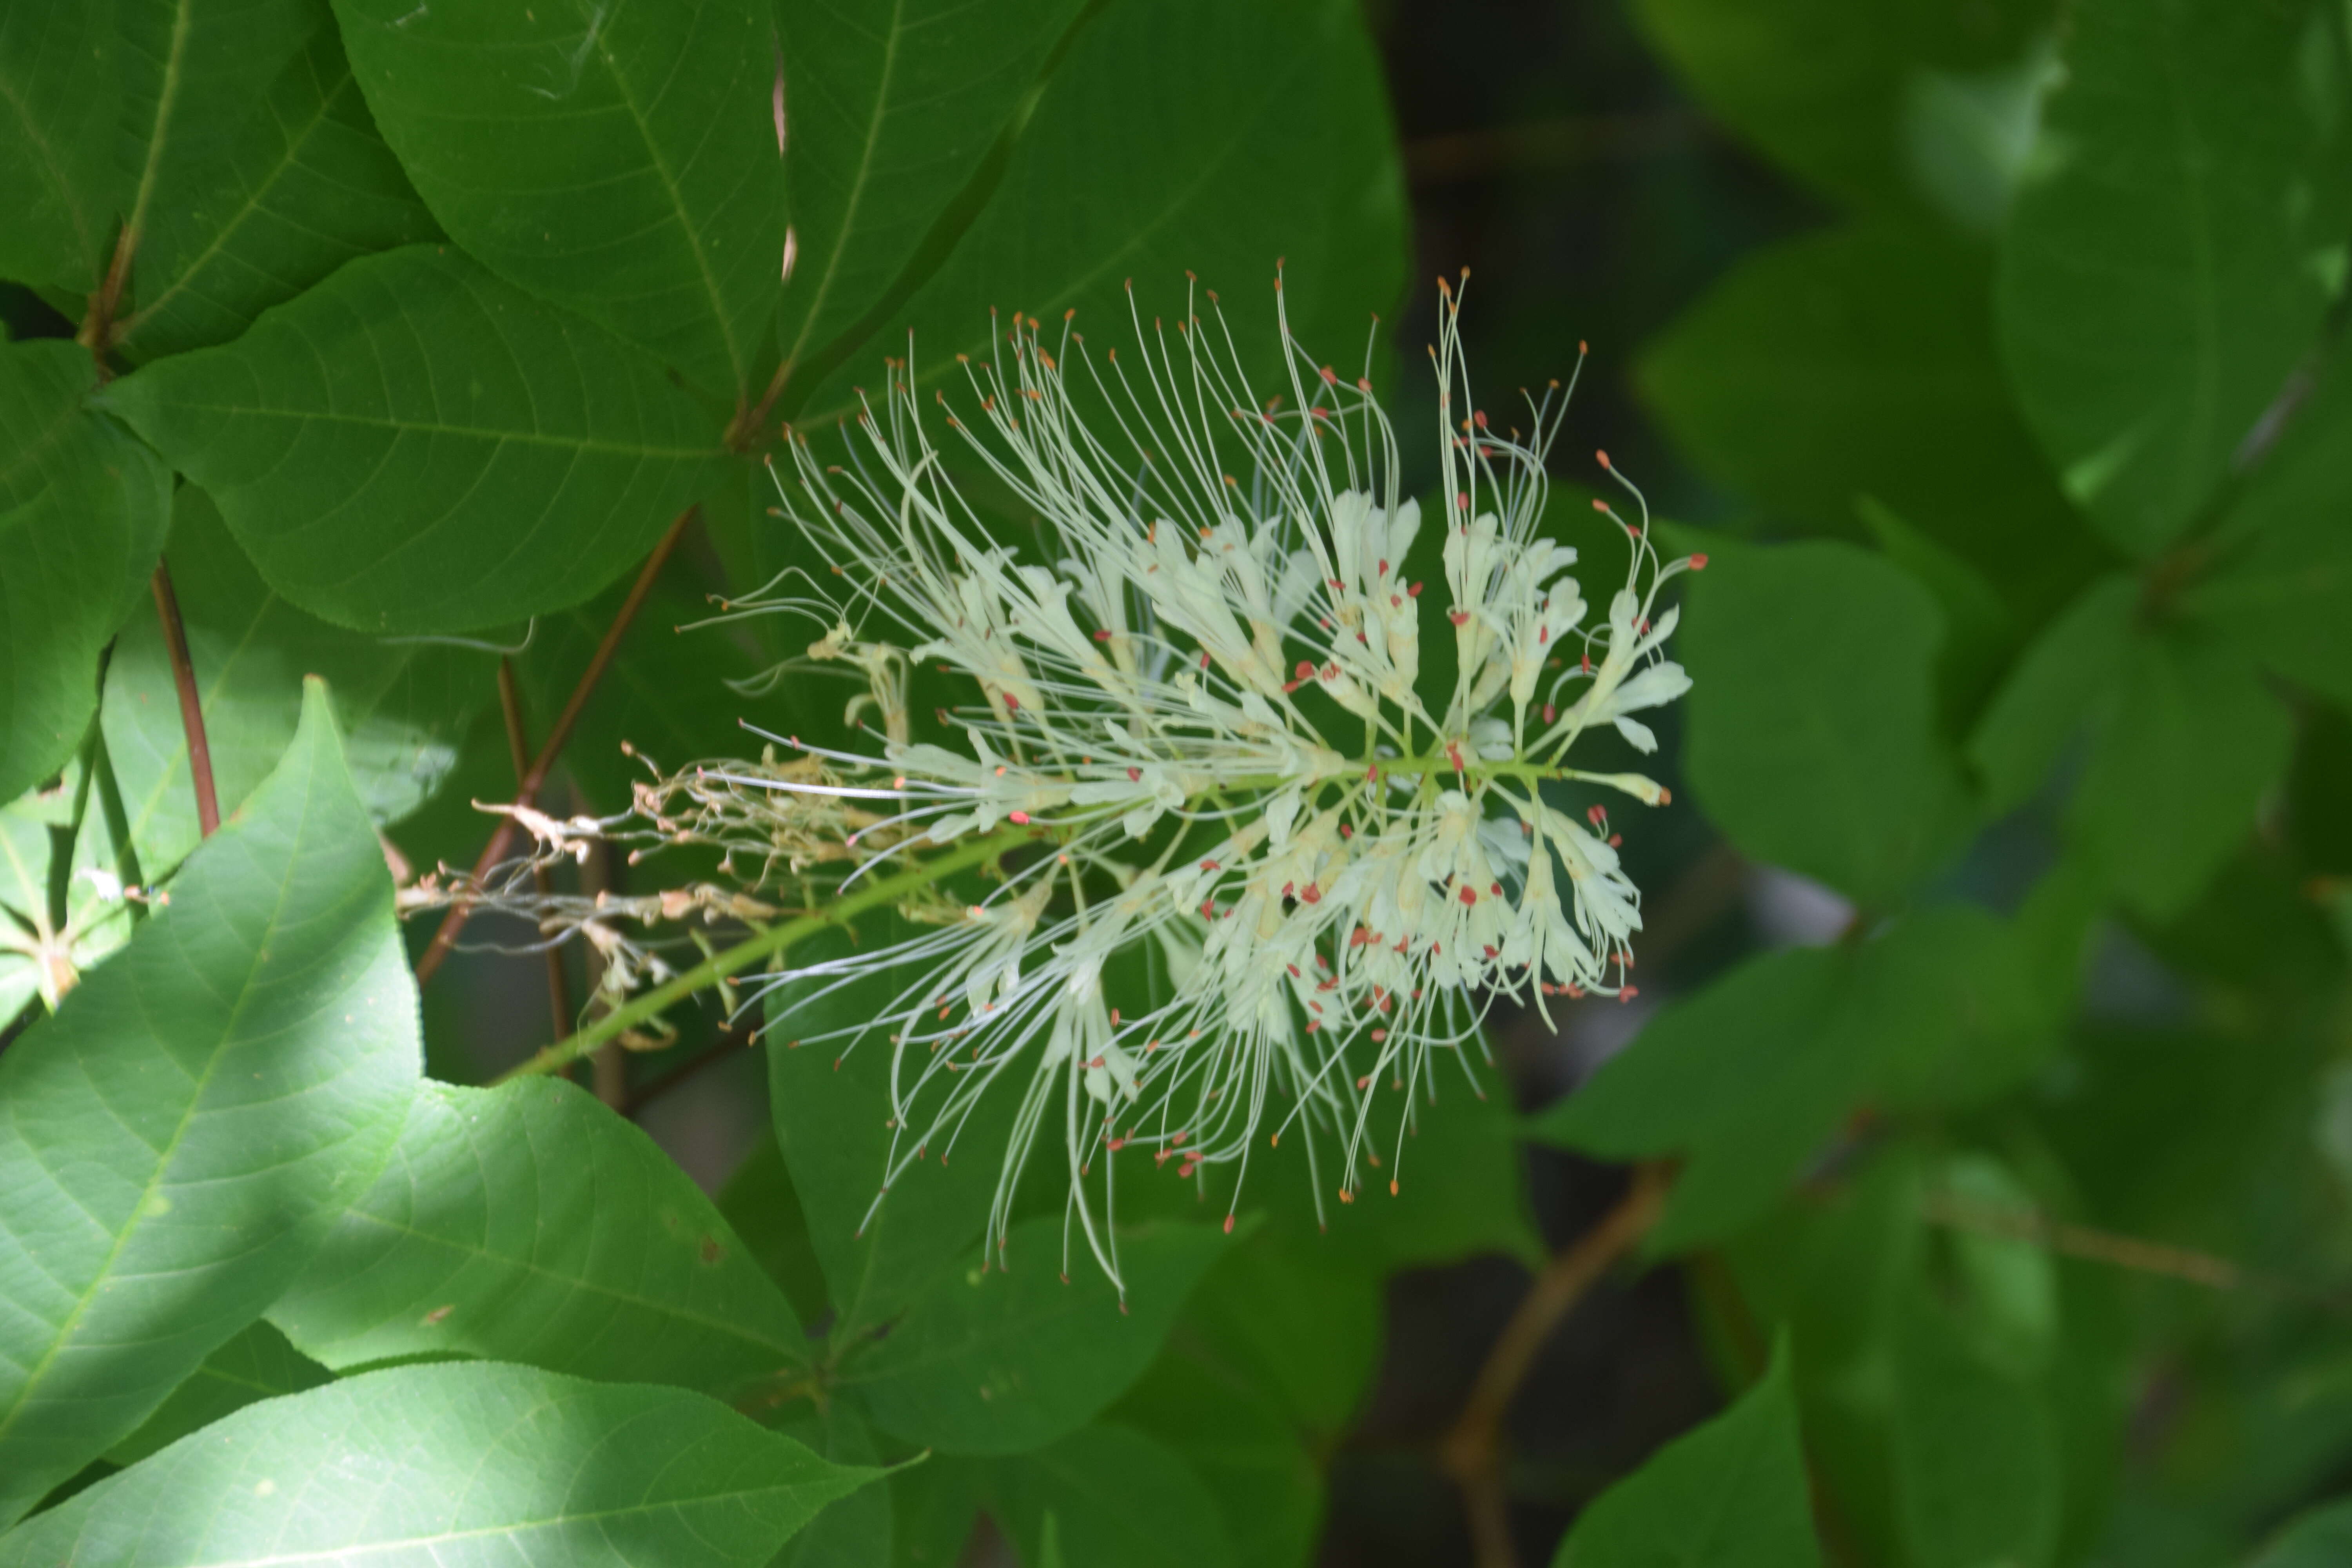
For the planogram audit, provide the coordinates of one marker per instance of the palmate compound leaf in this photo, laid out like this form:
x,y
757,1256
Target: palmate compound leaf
x,y
2178,237
83,509
465,1465
1731,1494
415,446
621,159
890,113
1812,736
1148,155
529,1223
402,706
996,1359
1752,1075
177,1138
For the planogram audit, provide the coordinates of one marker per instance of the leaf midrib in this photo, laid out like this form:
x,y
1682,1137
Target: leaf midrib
x,y
164,1157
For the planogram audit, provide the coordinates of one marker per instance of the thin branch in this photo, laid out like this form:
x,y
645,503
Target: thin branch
x,y
192,709
763,944
559,990
535,777
1472,1452
2092,1245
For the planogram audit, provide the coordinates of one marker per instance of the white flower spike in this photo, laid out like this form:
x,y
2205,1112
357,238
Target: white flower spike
x,y
1202,719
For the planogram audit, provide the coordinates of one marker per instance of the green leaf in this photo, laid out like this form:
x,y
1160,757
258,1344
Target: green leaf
x,y
995,1360
178,1137
403,707
1844,94
469,1464
2061,680
2169,256
1149,154
1975,1454
2190,743
1812,737
891,115
761,1206
1294,1321
83,508
1115,1497
2313,1539
1731,1494
2282,586
529,1223
257,1364
61,99
1860,362
831,1103
1751,1075
620,159
854,1531
1232,1431
283,191
415,445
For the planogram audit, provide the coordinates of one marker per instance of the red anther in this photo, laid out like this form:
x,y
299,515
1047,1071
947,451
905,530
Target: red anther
x,y
1229,1225
1363,383
1211,865
1286,886
1494,890
1311,894
1644,627
1574,989
1459,618
1306,671
1346,831
1336,587
1489,949
1603,456
1462,502
1469,897
1627,993
1135,775
1600,505
1178,1142
1665,797
1293,970
1481,417
1392,1186
1580,350
1365,1081
1184,1170
1372,774
1699,562
1596,815
1588,664
1204,658
1360,936
1550,712
1102,635
1208,910
1413,591
1011,703
1616,839
1330,376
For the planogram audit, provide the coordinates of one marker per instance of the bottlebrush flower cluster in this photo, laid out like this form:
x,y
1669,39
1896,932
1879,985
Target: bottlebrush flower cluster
x,y
1209,743
1202,713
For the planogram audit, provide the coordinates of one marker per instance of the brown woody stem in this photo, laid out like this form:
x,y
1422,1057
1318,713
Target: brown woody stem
x,y
559,991
192,710
1472,1452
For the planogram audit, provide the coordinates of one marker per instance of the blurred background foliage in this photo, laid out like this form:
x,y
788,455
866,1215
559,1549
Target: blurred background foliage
x,y
1967,1181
